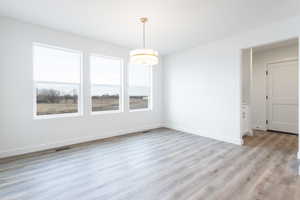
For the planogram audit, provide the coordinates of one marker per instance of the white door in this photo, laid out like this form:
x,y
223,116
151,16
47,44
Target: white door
x,y
283,96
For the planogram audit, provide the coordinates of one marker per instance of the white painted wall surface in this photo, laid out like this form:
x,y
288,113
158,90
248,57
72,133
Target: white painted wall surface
x,y
246,76
260,60
19,133
203,87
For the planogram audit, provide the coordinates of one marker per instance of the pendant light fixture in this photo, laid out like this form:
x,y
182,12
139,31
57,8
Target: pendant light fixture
x,y
144,55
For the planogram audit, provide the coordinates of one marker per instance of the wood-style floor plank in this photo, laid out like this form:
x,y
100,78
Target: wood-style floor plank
x,y
161,164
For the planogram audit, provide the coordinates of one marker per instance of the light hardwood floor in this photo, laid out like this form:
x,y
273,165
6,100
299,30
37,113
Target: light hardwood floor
x,y
161,164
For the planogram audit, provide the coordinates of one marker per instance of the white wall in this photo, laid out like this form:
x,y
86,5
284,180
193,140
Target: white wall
x,y
258,95
246,75
19,133
203,86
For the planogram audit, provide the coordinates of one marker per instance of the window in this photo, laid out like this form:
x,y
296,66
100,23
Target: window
x,y
140,81
57,81
106,87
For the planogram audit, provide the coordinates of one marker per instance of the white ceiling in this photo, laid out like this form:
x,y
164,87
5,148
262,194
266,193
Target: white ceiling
x,y
174,24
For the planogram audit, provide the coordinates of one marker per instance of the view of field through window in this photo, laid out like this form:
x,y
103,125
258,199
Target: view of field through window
x,y
57,80
56,99
105,98
106,84
139,86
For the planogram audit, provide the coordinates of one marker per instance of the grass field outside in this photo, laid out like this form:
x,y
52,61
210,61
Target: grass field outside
x,y
98,104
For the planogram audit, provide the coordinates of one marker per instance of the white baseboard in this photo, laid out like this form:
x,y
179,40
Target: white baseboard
x,y
237,141
42,147
259,127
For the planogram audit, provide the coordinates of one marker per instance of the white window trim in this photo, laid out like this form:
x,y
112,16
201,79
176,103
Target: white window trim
x,y
141,110
80,84
121,98
150,102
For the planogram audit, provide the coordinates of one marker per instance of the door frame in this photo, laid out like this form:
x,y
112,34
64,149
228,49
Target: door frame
x,y
267,85
251,83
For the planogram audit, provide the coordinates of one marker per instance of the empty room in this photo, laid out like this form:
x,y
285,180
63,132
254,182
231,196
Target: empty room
x,y
149,100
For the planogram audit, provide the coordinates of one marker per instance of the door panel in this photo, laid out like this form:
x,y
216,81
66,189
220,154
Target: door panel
x,y
283,96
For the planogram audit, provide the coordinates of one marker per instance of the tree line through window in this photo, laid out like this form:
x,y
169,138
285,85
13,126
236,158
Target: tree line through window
x,y
58,83
56,99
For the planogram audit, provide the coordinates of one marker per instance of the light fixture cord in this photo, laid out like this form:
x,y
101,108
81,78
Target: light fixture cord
x,y
144,35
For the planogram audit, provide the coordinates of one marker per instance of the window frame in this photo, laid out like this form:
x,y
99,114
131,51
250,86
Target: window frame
x,y
79,112
150,101
121,95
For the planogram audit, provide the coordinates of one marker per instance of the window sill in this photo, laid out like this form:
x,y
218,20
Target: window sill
x,y
105,112
141,110
56,116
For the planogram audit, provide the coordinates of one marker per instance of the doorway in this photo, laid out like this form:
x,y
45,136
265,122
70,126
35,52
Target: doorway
x,y
270,88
